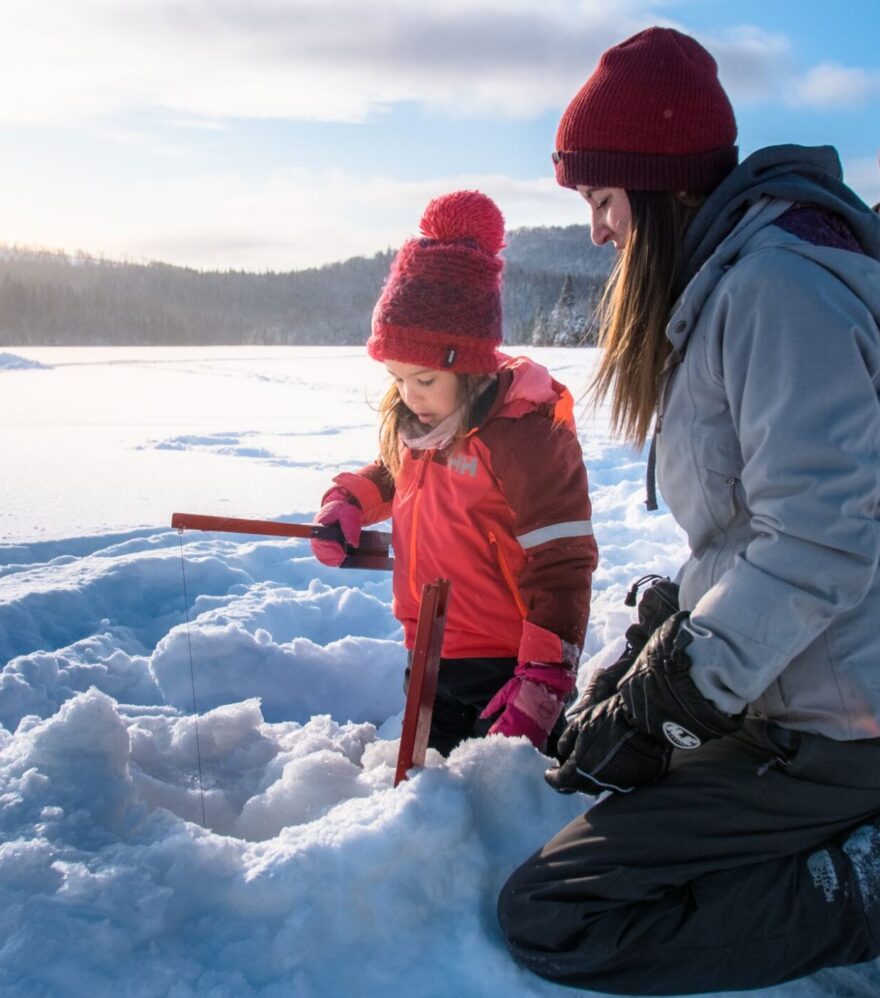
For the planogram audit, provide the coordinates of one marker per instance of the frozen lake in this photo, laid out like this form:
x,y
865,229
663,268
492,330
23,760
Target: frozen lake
x,y
293,867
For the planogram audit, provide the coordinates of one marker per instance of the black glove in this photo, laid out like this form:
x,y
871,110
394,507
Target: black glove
x,y
660,698
658,602
603,751
626,740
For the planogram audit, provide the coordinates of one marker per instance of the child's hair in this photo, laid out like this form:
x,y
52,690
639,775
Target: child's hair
x,y
635,309
394,415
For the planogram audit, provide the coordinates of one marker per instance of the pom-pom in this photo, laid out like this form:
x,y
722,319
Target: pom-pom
x,y
465,215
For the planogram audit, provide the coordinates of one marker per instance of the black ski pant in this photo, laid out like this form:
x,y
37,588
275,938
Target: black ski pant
x,y
464,688
727,874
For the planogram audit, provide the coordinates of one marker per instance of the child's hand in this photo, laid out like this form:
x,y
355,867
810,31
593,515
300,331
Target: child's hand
x,y
531,702
340,508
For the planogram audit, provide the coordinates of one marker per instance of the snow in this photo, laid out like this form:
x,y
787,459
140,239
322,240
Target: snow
x,y
197,798
11,361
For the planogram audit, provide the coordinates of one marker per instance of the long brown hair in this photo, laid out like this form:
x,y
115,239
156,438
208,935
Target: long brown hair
x,y
395,415
635,308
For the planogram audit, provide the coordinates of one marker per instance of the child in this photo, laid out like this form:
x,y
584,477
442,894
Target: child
x,y
481,473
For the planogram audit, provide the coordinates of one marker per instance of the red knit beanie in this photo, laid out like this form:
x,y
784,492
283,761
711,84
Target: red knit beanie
x,y
441,304
652,117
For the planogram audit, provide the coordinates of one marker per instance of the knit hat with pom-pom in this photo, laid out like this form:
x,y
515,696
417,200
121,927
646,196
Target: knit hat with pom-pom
x,y
441,304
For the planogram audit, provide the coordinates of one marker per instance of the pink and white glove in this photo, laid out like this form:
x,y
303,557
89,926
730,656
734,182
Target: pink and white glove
x,y
531,702
341,508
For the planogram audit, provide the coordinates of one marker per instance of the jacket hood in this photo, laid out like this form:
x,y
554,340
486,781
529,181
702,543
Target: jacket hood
x,y
738,220
526,386
788,173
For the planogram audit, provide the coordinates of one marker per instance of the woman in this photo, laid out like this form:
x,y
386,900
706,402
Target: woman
x,y
737,844
461,426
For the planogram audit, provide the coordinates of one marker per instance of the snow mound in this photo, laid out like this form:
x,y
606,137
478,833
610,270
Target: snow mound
x,y
12,362
314,873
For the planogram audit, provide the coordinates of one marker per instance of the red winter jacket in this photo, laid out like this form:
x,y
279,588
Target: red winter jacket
x,y
505,516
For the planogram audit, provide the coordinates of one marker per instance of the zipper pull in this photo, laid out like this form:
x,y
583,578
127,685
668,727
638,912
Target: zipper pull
x,y
632,594
776,762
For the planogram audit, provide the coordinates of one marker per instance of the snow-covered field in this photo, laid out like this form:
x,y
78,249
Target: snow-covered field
x,y
293,867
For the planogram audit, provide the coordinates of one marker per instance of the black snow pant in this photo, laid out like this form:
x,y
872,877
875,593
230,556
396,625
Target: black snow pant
x,y
464,688
725,875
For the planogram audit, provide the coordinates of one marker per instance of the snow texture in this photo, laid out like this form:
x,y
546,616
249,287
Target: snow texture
x,y
197,793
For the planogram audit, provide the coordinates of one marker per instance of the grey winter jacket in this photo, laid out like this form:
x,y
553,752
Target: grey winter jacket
x,y
768,450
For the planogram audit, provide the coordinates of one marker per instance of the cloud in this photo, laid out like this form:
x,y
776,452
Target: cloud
x,y
831,85
149,89
752,63
343,60
760,66
290,220
307,220
337,60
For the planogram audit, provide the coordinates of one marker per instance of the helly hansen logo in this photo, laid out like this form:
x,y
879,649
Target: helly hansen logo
x,y
464,466
821,868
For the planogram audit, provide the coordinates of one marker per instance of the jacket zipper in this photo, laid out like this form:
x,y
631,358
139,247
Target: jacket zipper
x,y
669,365
508,576
672,361
420,480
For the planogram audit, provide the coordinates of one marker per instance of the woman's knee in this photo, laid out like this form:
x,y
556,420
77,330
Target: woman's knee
x,y
540,925
534,922
527,921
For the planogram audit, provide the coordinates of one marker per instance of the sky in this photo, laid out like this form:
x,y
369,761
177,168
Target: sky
x,y
201,805
283,134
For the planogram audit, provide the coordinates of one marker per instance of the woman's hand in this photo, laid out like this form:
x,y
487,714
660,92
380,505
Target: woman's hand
x,y
625,741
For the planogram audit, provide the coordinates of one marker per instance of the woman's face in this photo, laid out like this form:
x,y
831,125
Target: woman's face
x,y
610,214
430,395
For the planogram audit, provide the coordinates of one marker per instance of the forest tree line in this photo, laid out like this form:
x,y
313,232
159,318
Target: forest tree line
x,y
553,278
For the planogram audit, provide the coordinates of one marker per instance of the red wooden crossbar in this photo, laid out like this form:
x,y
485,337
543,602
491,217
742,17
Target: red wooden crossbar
x,y
423,677
372,550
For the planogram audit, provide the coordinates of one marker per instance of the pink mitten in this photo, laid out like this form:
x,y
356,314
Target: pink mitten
x,y
340,508
531,702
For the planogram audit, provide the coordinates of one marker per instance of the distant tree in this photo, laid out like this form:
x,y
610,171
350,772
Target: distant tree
x,y
567,322
592,301
57,299
542,334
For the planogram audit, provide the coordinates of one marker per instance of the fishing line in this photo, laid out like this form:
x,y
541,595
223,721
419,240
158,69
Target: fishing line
x,y
192,675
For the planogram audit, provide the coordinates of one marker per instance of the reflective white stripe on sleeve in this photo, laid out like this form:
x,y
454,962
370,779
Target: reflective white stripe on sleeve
x,y
574,528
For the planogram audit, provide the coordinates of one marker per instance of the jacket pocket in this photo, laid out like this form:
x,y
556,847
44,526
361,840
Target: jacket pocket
x,y
721,490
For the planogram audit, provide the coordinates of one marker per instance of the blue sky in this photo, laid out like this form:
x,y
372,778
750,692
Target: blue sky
x,y
280,134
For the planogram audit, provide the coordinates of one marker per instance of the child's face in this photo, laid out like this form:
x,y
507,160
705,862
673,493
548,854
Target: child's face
x,y
430,395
